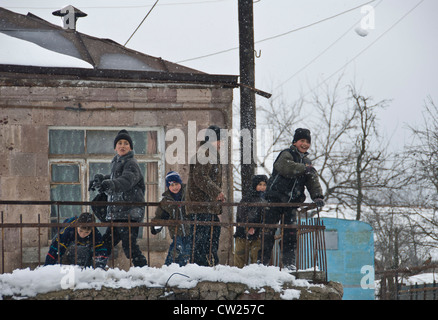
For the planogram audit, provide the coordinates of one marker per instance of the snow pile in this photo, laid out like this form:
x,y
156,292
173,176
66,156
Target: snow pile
x,y
422,278
28,283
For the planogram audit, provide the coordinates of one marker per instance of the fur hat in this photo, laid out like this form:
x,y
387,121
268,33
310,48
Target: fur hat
x,y
123,134
171,177
301,133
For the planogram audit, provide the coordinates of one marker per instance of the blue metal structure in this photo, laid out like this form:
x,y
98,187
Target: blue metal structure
x,y
350,257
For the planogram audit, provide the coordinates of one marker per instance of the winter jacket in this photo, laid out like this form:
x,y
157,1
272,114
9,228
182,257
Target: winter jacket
x,y
290,177
127,185
204,185
249,214
66,238
172,211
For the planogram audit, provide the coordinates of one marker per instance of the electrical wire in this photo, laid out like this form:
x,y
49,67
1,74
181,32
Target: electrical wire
x,y
320,54
141,22
122,7
279,35
365,49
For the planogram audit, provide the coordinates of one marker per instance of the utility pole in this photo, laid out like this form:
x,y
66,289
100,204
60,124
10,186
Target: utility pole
x,y
247,96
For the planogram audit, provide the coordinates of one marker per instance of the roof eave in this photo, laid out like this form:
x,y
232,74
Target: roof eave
x,y
123,75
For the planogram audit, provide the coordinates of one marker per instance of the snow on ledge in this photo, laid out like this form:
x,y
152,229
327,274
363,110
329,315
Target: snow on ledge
x,y
28,283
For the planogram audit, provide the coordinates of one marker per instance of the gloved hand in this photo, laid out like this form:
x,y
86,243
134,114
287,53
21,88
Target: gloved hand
x,y
310,169
107,186
96,182
319,202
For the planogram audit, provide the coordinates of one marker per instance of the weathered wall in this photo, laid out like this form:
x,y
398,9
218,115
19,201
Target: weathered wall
x,y
202,291
31,103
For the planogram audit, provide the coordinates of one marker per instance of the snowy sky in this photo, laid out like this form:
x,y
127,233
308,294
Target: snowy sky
x,y
396,60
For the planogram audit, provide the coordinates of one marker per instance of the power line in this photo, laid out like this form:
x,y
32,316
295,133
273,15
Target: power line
x,y
141,23
324,51
366,48
122,7
279,35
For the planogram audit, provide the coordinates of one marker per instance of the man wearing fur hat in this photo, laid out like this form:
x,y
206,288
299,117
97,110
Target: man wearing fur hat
x,y
292,173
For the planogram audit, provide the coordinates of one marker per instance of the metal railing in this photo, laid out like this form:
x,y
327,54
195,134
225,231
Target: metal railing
x,y
392,286
310,245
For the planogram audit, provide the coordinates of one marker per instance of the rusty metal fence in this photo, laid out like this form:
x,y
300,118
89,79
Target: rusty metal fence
x,y
392,286
23,228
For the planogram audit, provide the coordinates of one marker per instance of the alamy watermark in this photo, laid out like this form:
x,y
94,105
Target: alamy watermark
x,y
368,21
183,147
367,281
67,281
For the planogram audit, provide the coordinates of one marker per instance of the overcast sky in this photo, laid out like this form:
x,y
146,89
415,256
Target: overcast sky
x,y
397,60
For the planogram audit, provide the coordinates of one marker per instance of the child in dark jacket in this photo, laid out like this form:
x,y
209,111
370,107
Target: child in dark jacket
x,y
248,238
292,174
181,247
125,184
75,244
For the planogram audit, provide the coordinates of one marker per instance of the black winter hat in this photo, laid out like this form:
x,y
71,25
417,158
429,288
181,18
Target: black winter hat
x,y
123,134
256,179
213,137
301,133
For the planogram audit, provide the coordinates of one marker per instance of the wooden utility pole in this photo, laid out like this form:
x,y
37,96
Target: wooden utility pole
x,y
247,96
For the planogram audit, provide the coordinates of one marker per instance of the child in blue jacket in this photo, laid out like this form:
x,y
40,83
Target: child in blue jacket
x,y
75,243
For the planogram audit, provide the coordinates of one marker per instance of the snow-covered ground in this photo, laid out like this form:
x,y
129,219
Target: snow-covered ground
x,y
28,283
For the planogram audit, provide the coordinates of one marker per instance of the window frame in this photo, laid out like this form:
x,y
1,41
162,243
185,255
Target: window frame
x,y
85,159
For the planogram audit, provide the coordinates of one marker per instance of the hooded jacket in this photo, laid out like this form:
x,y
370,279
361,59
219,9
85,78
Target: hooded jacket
x,y
250,214
290,178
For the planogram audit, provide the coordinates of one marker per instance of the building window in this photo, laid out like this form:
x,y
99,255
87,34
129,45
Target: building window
x,y
77,154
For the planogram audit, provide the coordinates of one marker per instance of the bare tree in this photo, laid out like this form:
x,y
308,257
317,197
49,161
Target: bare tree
x,y
346,147
423,153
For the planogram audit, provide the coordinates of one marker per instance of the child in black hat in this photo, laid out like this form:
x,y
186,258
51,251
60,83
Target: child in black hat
x,y
124,184
292,174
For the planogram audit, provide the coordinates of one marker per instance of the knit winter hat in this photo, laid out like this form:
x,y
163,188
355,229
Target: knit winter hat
x,y
123,134
172,177
301,133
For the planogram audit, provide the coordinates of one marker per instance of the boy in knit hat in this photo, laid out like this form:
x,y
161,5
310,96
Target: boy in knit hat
x,y
292,173
181,247
124,184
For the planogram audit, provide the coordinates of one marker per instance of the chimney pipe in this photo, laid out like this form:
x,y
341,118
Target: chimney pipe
x,y
69,15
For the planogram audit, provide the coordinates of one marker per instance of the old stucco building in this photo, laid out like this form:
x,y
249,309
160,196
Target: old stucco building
x,y
57,127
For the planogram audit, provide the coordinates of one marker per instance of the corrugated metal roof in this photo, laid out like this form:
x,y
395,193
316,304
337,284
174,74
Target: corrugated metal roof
x,y
100,53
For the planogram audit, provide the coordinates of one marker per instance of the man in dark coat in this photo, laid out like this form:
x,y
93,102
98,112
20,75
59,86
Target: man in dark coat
x,y
292,173
125,184
205,185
